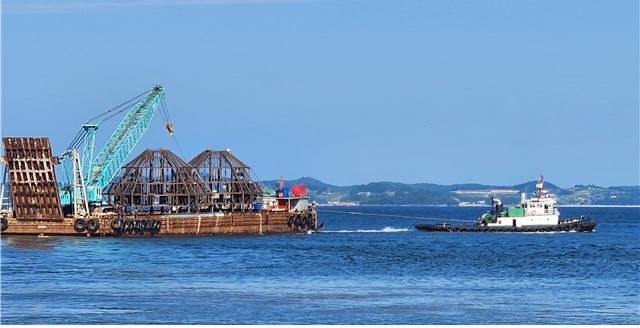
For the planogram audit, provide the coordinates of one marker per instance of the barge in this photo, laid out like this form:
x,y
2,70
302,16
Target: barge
x,y
534,214
145,225
157,193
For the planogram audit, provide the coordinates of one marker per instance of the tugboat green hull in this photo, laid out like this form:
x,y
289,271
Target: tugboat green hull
x,y
578,225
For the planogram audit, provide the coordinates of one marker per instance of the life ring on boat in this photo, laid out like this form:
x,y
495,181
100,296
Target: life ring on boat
x,y
93,225
5,224
533,212
79,225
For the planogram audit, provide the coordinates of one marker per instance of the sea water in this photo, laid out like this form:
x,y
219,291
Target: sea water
x,y
362,269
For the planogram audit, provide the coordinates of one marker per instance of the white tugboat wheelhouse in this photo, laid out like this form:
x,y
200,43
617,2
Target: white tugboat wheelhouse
x,y
539,210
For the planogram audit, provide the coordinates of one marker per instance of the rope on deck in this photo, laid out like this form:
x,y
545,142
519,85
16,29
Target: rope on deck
x,y
394,216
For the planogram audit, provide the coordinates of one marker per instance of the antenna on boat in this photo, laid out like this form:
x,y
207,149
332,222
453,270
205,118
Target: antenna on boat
x,y
540,185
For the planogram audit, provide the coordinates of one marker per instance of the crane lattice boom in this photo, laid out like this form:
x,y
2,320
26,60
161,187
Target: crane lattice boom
x,y
128,133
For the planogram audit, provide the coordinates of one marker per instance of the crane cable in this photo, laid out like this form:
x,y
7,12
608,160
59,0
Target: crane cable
x,y
164,111
393,215
119,106
80,136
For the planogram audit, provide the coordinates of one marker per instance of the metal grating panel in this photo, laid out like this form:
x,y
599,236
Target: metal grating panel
x,y
34,189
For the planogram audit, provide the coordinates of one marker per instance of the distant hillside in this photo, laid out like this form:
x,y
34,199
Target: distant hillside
x,y
394,193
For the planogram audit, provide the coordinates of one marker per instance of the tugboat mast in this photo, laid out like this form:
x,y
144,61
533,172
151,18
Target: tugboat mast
x,y
539,186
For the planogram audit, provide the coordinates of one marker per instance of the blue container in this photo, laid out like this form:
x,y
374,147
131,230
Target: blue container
x,y
257,206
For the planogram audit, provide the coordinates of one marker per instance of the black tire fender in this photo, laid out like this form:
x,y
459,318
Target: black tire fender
x,y
117,225
93,225
154,226
143,225
5,224
79,225
136,225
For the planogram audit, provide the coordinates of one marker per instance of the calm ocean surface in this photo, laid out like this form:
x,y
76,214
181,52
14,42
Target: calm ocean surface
x,y
362,269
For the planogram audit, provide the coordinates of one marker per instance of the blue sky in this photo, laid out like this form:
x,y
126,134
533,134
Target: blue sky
x,y
347,91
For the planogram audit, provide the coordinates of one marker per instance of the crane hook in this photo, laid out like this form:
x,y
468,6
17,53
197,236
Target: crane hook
x,y
170,128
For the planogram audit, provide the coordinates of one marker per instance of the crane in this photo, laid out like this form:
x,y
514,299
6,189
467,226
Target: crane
x,y
85,177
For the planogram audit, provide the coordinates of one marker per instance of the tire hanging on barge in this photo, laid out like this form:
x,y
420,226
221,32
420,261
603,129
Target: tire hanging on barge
x,y
117,225
79,225
93,225
155,227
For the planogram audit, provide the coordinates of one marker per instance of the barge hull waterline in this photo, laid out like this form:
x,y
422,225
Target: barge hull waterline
x,y
235,223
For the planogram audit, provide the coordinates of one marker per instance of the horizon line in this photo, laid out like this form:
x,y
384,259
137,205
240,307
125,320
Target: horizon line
x,y
449,184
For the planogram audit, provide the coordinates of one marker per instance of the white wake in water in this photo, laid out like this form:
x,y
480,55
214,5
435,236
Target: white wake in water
x,y
385,229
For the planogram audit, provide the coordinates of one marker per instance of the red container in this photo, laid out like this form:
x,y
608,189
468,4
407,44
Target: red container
x,y
299,190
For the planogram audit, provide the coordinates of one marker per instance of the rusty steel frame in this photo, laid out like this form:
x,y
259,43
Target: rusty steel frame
x,y
159,177
32,177
228,178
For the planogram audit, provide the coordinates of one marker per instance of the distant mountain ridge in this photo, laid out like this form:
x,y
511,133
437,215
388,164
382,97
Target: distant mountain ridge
x,y
396,193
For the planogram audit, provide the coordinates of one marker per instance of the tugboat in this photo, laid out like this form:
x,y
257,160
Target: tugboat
x,y
535,214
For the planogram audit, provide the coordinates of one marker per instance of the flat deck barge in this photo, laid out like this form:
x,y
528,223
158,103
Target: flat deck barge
x,y
155,194
203,224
